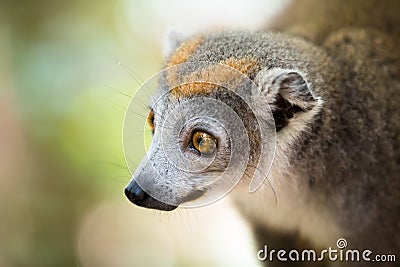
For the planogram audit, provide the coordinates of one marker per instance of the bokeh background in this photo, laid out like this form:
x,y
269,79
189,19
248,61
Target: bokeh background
x,y
67,72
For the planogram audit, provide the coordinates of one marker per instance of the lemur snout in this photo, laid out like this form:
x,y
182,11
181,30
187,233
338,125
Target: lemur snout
x,y
135,193
139,197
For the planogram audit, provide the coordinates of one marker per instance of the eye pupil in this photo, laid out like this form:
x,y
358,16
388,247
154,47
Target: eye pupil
x,y
204,142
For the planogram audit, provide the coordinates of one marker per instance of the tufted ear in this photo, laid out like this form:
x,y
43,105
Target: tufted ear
x,y
172,41
287,93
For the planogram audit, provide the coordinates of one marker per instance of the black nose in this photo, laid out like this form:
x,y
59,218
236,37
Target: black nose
x,y
139,197
135,193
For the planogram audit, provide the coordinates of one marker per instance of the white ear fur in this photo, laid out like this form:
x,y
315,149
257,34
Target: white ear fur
x,y
290,98
172,41
289,84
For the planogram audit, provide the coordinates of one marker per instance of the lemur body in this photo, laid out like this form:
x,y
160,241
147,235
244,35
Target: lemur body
x,y
334,98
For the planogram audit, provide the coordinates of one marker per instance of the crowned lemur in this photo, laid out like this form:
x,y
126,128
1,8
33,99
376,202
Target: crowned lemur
x,y
330,72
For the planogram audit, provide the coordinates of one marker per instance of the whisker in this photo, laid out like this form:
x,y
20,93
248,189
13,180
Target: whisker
x,y
116,90
133,75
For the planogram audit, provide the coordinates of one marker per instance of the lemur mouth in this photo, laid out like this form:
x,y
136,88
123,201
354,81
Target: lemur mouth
x,y
139,197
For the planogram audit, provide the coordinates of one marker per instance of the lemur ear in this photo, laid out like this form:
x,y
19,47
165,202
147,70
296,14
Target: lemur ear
x,y
287,93
172,41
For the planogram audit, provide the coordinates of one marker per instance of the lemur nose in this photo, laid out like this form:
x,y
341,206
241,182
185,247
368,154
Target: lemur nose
x,y
135,193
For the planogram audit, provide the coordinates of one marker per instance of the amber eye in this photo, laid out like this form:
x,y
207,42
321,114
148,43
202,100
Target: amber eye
x,y
204,142
150,120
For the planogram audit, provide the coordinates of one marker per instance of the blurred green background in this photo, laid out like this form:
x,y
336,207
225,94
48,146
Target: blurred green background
x,y
63,96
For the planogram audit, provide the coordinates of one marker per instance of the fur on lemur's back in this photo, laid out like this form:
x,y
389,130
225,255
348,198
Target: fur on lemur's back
x,y
315,20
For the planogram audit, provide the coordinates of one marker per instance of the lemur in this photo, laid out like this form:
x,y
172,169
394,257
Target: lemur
x,y
330,72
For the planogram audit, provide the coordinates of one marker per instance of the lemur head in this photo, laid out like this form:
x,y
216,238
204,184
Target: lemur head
x,y
202,129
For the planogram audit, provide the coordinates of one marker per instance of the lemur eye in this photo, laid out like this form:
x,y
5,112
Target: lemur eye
x,y
204,142
150,120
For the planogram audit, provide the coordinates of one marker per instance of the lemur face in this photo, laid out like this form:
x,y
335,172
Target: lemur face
x,y
188,153
213,124
200,147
